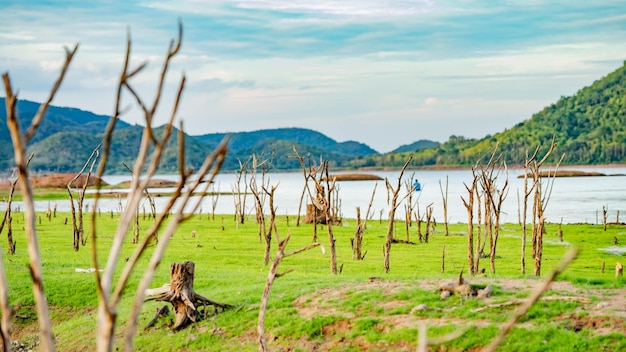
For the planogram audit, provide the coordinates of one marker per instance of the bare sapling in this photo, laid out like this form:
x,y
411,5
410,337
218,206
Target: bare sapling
x,y
77,220
8,217
392,200
240,191
444,198
306,180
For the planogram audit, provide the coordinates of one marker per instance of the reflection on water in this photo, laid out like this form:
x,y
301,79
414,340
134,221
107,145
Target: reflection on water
x,y
573,199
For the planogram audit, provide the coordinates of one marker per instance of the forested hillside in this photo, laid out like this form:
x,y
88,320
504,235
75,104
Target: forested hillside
x,y
67,137
589,127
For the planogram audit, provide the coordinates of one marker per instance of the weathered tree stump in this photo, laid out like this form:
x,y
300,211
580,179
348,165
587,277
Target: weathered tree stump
x,y
183,298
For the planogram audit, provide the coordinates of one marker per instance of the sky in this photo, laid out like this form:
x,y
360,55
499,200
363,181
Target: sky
x,y
381,72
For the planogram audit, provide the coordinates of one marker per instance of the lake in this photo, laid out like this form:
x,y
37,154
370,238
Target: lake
x,y
573,199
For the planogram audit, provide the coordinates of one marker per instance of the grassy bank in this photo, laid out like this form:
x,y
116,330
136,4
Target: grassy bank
x,y
360,309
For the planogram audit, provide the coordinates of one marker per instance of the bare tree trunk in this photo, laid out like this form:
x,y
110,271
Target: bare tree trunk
x,y
429,216
392,195
183,298
357,240
469,206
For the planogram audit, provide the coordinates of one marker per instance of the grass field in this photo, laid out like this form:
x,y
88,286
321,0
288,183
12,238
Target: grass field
x,y
362,308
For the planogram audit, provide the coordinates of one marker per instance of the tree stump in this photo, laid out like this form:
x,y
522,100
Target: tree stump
x,y
183,298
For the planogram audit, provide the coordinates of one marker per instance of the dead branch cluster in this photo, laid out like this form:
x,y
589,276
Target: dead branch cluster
x,y
485,197
145,166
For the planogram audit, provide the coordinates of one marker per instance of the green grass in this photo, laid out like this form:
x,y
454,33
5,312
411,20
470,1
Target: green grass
x,y
363,308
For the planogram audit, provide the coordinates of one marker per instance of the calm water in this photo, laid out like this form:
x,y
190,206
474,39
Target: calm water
x,y
573,199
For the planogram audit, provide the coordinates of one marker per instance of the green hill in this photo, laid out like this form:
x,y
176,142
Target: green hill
x,y
67,137
589,128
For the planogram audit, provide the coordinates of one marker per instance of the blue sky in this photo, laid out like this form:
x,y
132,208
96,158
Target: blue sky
x,y
384,73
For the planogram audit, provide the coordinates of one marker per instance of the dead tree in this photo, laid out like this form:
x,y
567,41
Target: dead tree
x,y
77,221
20,141
8,218
496,199
540,202
408,206
392,200
240,191
469,206
306,181
183,298
323,203
272,275
527,193
429,222
444,196
259,193
357,241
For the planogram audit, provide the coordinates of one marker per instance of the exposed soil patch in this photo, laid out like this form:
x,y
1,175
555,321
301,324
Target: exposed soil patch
x,y
602,310
355,177
56,181
570,173
154,183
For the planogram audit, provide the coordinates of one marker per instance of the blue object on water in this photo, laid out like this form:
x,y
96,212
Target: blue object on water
x,y
417,186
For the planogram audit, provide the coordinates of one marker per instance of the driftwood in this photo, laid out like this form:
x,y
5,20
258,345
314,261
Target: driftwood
x,y
183,297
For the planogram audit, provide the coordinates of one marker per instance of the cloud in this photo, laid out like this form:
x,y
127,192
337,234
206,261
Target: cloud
x,y
353,69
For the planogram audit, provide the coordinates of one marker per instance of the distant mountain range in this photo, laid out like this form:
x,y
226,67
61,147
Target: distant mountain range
x,y
589,128
67,136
